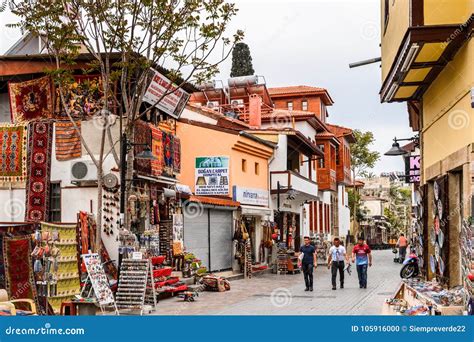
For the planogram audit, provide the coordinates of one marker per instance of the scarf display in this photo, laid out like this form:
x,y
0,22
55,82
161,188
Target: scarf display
x,y
13,141
19,279
176,155
157,150
68,140
67,275
142,135
168,152
39,169
31,100
84,97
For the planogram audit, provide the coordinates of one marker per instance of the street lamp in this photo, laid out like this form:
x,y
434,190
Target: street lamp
x,y
396,150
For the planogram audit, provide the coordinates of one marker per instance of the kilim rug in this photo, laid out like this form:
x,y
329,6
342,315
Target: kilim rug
x,y
39,166
18,267
31,100
68,141
168,152
157,149
176,155
13,141
142,135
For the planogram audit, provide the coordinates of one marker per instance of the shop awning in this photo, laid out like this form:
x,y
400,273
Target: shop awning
x,y
215,201
255,210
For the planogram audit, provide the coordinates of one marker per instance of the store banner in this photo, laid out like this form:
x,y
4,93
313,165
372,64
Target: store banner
x,y
211,176
412,168
237,328
250,196
166,95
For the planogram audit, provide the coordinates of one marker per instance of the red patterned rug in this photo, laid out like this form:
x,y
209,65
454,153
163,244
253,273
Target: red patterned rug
x,y
168,152
31,100
18,268
176,155
13,141
157,149
142,135
39,165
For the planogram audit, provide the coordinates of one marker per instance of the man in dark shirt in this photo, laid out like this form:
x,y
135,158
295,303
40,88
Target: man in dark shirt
x,y
307,260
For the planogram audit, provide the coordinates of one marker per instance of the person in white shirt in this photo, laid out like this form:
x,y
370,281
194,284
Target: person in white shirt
x,y
337,256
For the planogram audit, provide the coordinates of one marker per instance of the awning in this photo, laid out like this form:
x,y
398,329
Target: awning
x,y
214,201
252,210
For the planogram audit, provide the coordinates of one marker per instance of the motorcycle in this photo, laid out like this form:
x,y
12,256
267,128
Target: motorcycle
x,y
410,267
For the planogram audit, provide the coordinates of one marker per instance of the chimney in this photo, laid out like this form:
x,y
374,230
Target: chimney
x,y
255,111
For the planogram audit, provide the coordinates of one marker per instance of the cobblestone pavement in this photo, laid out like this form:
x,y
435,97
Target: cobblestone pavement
x,y
272,294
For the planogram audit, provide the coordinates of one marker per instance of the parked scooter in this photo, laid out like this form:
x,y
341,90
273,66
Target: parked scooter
x,y
410,267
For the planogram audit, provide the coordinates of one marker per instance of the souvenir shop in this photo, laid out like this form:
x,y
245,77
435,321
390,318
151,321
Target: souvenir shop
x,y
443,242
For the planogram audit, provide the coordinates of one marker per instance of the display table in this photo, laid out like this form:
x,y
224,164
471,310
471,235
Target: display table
x,y
407,297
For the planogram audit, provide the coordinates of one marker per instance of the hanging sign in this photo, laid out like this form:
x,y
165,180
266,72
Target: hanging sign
x,y
412,168
98,279
211,176
250,196
165,95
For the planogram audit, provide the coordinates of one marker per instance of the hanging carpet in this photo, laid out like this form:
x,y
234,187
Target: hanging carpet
x,y
142,135
68,140
157,150
176,155
13,141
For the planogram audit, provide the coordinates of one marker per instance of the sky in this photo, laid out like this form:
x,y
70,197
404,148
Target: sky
x,y
312,42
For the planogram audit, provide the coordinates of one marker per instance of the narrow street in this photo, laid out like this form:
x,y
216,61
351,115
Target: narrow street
x,y
271,294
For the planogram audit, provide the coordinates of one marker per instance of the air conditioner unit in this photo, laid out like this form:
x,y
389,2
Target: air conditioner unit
x,y
237,103
83,171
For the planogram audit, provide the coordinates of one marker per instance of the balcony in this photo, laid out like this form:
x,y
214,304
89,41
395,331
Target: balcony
x,y
327,180
303,188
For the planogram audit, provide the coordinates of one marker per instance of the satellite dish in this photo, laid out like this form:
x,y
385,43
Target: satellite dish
x,y
110,181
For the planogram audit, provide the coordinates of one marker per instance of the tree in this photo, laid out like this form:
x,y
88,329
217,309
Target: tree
x,y
125,39
241,61
362,159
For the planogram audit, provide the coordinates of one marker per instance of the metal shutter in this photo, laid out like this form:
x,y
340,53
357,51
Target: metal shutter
x,y
221,239
196,235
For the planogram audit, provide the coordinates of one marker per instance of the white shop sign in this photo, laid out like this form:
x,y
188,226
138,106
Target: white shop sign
x,y
251,196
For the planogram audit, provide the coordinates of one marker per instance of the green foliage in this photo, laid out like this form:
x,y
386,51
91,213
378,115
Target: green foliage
x,y
362,158
241,61
354,202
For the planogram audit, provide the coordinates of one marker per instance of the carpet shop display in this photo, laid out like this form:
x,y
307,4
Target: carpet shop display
x,y
142,138
157,150
176,155
19,278
68,140
63,236
13,143
168,152
39,169
31,100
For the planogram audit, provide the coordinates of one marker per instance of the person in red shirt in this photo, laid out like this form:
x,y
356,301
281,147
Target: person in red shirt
x,y
402,245
362,256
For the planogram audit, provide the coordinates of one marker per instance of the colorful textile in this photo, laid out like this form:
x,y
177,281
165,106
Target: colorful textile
x,y
68,140
176,155
31,100
84,97
157,150
13,141
142,135
168,152
39,167
18,268
68,272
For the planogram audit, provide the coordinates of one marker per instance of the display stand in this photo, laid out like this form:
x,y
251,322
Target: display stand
x,y
132,287
412,298
99,281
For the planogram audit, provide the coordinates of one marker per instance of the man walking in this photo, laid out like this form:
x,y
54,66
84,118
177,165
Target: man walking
x,y
337,255
402,245
362,255
308,261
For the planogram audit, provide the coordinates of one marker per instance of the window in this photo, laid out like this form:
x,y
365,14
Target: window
x,y
338,157
257,168
289,105
321,161
55,202
244,165
293,160
304,105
